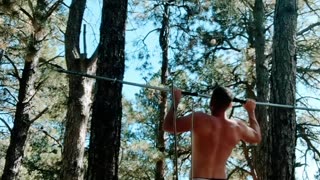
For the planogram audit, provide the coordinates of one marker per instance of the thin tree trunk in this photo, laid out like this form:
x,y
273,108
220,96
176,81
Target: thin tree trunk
x,y
283,89
22,122
262,85
107,106
80,97
164,43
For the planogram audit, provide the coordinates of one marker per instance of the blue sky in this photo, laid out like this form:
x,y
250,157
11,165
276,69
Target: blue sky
x,y
92,21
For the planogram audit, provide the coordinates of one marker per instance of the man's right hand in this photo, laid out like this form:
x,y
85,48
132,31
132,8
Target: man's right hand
x,y
250,105
252,134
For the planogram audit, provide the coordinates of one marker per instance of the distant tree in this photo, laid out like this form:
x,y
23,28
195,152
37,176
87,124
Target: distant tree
x,y
308,76
164,45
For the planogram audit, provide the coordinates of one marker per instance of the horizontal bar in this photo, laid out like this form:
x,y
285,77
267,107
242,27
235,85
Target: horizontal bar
x,y
59,69
129,83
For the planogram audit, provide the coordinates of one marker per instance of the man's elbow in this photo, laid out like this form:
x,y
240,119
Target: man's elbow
x,y
258,139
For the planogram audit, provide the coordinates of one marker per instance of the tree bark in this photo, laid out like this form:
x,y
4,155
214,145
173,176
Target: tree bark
x,y
22,122
283,89
107,107
164,44
24,115
260,153
80,97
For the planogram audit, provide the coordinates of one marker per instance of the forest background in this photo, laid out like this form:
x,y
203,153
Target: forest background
x,y
192,44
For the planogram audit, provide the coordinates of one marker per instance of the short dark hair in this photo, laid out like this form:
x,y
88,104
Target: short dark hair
x,y
221,98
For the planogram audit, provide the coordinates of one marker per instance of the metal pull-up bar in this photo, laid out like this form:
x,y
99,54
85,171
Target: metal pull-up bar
x,y
60,69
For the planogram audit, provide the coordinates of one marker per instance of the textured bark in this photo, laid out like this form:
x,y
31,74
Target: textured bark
x,y
164,43
80,97
25,115
260,153
283,89
107,107
22,122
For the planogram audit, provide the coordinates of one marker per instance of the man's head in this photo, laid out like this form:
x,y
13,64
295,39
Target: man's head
x,y
221,99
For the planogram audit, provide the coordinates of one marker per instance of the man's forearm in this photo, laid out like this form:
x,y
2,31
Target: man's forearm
x,y
168,124
253,122
168,120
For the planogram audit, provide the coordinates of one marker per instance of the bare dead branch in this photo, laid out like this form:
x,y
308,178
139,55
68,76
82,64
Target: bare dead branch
x,y
305,137
310,7
50,60
39,115
53,8
26,13
95,54
11,95
51,137
310,27
304,70
6,124
16,72
249,161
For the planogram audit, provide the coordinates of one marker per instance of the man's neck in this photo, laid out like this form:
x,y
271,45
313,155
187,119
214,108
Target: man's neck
x,y
219,114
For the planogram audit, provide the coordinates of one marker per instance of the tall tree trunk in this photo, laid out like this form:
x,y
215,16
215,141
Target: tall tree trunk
x,y
22,122
283,89
107,107
262,86
164,43
80,97
28,87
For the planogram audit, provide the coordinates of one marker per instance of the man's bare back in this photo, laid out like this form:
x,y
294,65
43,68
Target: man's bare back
x,y
214,137
210,155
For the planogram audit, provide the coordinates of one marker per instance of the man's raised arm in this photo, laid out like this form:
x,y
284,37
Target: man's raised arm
x,y
251,134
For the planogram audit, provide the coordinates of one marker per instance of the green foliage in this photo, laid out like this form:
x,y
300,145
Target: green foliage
x,y
42,160
20,20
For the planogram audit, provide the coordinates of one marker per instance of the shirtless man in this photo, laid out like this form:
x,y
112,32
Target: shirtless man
x,y
214,136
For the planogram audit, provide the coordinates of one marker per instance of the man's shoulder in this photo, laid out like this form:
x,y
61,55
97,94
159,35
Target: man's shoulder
x,y
202,118
200,114
235,123
241,125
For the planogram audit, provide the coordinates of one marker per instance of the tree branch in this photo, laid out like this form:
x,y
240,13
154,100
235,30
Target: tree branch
x,y
39,115
305,137
249,161
6,124
94,56
26,13
7,90
53,8
308,28
304,70
56,140
16,72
